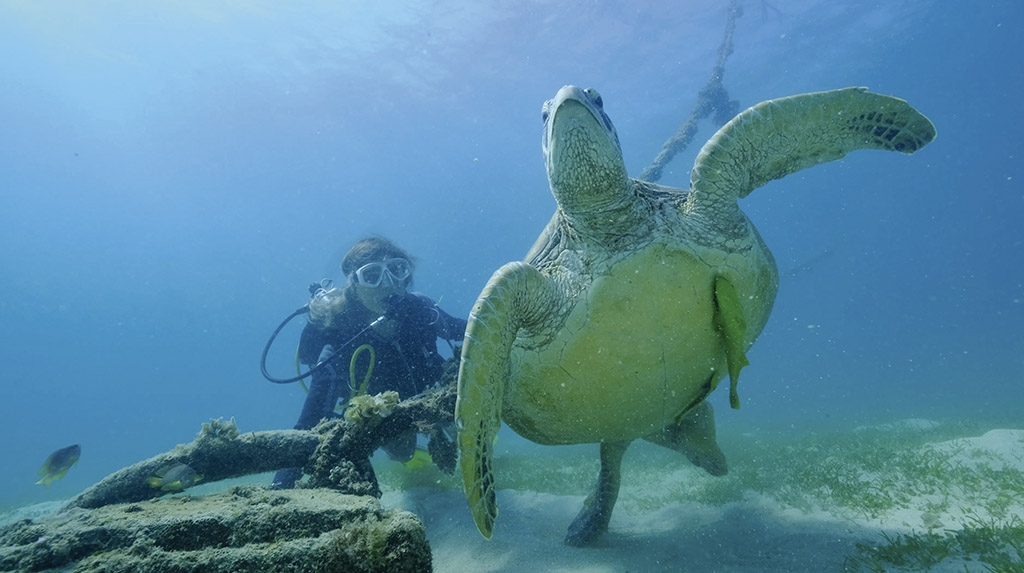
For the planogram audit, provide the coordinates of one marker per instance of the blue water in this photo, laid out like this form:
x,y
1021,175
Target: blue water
x,y
173,176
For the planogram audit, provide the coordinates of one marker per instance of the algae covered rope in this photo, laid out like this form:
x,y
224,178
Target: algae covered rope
x,y
711,98
335,453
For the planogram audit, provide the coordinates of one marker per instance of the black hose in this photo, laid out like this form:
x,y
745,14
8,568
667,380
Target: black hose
x,y
266,350
303,310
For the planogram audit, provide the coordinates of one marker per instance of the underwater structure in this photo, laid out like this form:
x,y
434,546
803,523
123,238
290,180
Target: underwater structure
x,y
334,523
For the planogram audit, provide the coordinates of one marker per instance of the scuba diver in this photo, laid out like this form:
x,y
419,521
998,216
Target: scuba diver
x,y
367,337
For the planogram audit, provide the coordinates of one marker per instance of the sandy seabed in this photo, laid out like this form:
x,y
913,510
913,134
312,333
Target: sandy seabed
x,y
906,496
925,495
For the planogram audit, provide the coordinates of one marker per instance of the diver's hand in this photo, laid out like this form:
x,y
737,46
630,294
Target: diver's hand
x,y
402,307
410,309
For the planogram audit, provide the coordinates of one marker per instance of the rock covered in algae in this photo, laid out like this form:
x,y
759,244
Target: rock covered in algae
x,y
246,528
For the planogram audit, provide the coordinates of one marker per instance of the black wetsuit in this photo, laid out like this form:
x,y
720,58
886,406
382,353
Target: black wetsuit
x,y
407,362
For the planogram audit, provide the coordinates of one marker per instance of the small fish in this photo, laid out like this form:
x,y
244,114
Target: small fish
x,y
178,477
59,463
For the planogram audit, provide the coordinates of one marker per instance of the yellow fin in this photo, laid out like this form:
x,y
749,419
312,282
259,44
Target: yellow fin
x,y
730,323
174,486
419,460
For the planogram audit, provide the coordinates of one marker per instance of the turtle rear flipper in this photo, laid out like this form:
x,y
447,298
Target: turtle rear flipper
x,y
694,437
781,136
593,519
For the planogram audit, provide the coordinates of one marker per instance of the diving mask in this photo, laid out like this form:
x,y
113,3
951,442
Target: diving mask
x,y
372,274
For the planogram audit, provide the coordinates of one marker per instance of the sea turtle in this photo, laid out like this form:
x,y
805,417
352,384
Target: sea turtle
x,y
637,298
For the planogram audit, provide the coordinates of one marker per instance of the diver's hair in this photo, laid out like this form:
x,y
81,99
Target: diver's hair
x,y
372,249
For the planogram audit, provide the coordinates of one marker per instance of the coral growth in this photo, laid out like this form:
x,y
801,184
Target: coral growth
x,y
369,409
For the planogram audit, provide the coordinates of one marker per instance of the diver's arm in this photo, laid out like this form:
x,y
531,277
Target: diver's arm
x,y
323,393
311,343
449,327
445,325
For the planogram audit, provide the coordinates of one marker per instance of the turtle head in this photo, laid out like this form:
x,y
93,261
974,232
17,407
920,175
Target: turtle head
x,y
582,153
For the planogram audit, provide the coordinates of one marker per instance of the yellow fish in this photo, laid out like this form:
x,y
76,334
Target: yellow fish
x,y
421,459
59,463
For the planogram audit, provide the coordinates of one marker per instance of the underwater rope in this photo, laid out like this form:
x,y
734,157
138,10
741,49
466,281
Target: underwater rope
x,y
712,97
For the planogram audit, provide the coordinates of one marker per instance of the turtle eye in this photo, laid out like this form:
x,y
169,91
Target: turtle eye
x,y
594,97
544,116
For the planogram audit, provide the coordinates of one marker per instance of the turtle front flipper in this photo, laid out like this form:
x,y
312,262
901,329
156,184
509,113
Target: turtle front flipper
x,y
782,136
509,302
